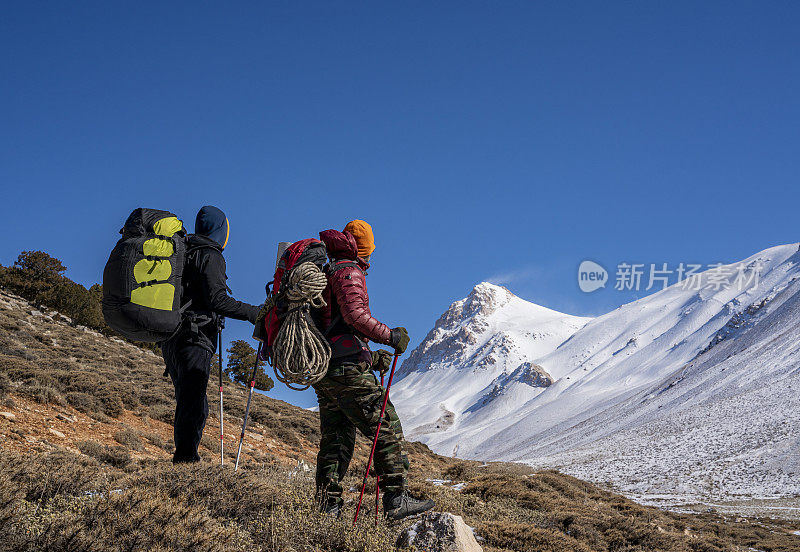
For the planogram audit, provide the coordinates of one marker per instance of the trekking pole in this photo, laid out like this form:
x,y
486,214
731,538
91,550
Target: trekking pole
x,y
378,482
375,440
247,408
221,430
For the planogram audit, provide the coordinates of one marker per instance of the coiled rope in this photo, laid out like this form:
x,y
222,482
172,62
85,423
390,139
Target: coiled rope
x,y
301,353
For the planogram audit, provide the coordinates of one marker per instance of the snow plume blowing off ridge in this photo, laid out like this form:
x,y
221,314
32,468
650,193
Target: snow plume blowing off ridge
x,y
690,391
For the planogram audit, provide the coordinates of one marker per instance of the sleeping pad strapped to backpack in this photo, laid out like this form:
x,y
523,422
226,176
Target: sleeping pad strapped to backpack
x,y
142,278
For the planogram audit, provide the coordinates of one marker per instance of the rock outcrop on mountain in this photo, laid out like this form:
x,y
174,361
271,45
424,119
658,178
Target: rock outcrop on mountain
x,y
479,350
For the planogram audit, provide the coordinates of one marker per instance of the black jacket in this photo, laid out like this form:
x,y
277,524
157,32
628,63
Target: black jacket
x,y
204,284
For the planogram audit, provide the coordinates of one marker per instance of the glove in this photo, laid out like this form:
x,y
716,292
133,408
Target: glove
x,y
253,313
400,340
260,333
381,361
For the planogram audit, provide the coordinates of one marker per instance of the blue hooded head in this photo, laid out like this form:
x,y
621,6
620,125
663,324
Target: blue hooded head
x,y
212,223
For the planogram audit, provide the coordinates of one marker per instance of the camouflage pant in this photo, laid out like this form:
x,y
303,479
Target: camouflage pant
x,y
350,399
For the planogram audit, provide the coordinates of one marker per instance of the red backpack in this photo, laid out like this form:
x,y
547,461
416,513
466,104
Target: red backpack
x,y
308,250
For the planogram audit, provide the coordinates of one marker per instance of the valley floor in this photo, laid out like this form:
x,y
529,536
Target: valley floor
x,y
776,508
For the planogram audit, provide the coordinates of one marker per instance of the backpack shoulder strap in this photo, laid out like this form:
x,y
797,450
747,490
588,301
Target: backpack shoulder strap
x,y
331,269
333,323
196,248
336,266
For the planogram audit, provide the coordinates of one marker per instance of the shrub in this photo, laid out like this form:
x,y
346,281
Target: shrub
x,y
162,412
524,537
100,417
17,368
83,402
5,385
288,436
87,381
129,438
111,405
131,520
61,501
129,397
43,394
153,398
44,476
156,440
462,470
116,456
42,378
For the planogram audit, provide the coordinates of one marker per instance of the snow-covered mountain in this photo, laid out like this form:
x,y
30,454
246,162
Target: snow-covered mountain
x,y
692,390
483,344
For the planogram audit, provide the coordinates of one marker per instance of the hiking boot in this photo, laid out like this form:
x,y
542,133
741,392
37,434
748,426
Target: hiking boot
x,y
331,508
398,506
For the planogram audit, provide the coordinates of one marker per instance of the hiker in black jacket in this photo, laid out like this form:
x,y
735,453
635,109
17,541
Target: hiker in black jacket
x,y
188,354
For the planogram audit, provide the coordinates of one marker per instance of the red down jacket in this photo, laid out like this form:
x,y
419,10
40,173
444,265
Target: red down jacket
x,y
348,287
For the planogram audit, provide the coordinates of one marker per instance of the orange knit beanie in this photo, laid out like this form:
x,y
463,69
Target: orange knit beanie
x,y
362,232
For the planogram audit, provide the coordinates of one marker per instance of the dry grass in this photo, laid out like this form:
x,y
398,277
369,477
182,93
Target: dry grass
x,y
168,508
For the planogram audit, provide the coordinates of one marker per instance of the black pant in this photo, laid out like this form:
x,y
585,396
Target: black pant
x,y
188,365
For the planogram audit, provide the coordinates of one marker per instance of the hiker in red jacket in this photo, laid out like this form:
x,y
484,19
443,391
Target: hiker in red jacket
x,y
349,395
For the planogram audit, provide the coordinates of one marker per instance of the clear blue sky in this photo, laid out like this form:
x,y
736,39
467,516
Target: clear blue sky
x,y
482,140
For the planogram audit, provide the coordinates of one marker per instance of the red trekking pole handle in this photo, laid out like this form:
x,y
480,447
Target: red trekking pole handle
x,y
375,440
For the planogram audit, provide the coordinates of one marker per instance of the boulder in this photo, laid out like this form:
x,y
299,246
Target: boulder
x,y
439,532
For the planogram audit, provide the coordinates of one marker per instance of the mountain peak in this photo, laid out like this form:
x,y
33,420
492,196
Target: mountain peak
x,y
486,298
489,288
479,337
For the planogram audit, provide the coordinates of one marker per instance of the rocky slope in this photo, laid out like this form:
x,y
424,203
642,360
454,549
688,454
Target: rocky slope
x,y
63,385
